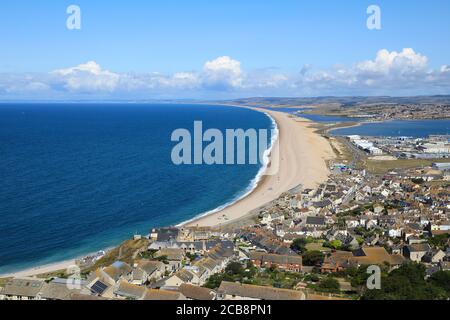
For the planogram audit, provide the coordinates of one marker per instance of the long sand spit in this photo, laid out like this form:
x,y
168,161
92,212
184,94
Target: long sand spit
x,y
299,157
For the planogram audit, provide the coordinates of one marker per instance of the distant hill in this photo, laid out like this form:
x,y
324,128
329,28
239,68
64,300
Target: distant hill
x,y
341,101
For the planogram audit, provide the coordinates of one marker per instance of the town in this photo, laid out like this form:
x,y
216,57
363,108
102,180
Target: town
x,y
309,244
376,111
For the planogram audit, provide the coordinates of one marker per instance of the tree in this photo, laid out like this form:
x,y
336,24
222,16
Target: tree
x,y
329,284
358,276
313,258
441,279
149,254
273,268
251,270
418,181
234,268
299,245
214,281
163,259
311,277
414,272
360,240
190,256
408,283
439,241
335,244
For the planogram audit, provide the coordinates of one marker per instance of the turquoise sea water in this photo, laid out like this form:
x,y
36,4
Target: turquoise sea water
x,y
77,178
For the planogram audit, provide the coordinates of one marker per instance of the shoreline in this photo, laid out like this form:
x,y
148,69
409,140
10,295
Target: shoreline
x,y
262,186
42,269
298,158
253,185
366,122
50,267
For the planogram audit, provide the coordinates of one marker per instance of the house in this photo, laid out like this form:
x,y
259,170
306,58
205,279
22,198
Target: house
x,y
147,271
197,274
395,231
416,252
434,256
163,295
192,247
207,267
272,217
118,270
340,260
164,234
324,204
215,261
129,291
372,240
343,236
348,240
23,289
439,226
284,262
100,284
445,265
397,249
197,293
87,297
368,221
352,223
412,230
238,291
415,239
385,193
336,262
182,276
315,222
376,256
174,257
378,209
60,289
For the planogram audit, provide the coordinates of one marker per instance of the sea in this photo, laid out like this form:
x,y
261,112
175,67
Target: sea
x,y
76,178
393,128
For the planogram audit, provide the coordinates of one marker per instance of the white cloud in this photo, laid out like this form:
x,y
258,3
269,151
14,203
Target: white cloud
x,y
445,69
389,73
222,72
386,63
88,77
89,67
393,73
184,80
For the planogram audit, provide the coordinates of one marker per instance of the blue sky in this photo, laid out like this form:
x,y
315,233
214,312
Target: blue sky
x,y
269,39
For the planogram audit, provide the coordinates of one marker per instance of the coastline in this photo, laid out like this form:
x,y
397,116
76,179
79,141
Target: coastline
x,y
48,268
260,176
296,167
298,157
51,267
366,122
358,124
